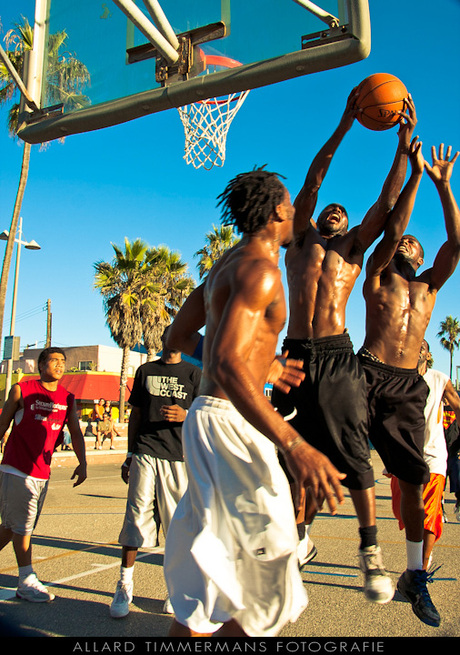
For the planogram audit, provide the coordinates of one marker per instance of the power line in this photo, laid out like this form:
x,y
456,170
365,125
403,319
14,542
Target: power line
x,y
31,312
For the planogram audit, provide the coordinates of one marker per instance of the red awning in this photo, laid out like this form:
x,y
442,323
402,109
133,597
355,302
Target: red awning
x,y
89,386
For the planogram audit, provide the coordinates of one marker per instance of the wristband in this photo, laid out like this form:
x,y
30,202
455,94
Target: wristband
x,y
293,444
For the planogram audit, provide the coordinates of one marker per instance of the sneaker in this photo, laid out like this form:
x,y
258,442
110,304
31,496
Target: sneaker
x,y
33,590
167,607
431,570
121,601
412,586
306,551
378,586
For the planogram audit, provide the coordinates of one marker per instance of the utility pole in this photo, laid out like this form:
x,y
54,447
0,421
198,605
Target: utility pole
x,y
48,323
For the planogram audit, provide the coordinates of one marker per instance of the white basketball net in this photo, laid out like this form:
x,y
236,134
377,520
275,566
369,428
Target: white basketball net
x,y
206,125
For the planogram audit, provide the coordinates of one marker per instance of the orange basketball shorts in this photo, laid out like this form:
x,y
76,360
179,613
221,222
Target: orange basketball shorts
x,y
432,497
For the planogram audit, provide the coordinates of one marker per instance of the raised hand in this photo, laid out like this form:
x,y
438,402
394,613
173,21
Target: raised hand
x,y
440,170
416,157
351,110
408,122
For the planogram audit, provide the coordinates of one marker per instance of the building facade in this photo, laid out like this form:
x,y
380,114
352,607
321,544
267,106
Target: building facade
x,y
92,372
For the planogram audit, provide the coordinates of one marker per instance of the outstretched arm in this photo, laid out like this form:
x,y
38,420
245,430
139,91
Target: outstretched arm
x,y
305,202
374,221
448,256
183,333
400,215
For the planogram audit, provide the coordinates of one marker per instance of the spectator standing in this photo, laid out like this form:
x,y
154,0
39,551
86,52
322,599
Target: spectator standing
x,y
40,409
154,469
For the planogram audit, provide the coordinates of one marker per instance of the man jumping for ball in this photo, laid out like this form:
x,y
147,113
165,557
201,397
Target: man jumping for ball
x,y
323,263
399,304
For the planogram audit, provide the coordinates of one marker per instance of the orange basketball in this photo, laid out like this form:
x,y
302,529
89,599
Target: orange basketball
x,y
380,97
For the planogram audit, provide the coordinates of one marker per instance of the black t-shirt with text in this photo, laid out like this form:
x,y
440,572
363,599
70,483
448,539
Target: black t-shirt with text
x,y
155,384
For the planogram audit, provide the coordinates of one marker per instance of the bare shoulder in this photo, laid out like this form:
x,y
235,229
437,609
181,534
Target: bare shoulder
x,y
16,394
256,276
13,403
242,279
244,267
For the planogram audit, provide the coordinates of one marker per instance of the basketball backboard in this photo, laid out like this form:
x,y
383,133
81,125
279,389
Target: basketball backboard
x,y
146,56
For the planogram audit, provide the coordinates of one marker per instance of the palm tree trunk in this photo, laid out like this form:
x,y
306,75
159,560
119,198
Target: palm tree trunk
x,y
123,381
13,229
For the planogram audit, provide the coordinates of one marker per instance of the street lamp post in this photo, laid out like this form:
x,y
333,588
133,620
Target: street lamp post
x,y
30,245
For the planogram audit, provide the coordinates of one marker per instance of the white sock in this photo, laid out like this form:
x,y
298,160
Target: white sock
x,y
414,551
25,571
126,574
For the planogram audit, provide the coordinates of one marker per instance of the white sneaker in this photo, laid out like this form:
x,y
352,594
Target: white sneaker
x,y
33,590
306,551
378,586
121,601
167,607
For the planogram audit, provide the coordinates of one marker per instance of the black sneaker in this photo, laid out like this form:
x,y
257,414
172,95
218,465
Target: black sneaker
x,y
412,585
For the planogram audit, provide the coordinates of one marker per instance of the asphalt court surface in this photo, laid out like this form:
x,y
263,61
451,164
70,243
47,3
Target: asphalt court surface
x,y
76,553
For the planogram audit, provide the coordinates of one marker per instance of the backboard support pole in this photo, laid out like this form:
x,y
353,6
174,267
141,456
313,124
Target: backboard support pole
x,y
323,15
149,30
160,20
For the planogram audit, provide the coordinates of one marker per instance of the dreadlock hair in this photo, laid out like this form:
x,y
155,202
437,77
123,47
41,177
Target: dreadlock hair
x,y
250,199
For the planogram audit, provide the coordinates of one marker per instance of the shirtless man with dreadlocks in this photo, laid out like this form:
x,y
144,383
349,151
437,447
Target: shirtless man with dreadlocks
x,y
230,557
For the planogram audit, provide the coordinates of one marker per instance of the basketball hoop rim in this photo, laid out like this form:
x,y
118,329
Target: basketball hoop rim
x,y
220,60
225,62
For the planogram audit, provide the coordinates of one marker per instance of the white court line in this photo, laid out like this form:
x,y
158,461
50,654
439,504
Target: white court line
x,y
8,593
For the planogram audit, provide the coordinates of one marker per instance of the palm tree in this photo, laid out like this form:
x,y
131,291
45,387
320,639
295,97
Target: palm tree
x,y
142,289
171,286
124,283
218,241
449,335
66,76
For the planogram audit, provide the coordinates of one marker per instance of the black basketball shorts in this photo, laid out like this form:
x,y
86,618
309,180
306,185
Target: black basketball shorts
x,y
331,405
397,399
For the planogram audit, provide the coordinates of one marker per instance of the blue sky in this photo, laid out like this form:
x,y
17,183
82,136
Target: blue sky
x,y
131,180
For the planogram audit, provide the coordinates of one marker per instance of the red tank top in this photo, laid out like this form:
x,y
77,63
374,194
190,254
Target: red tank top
x,y
36,431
